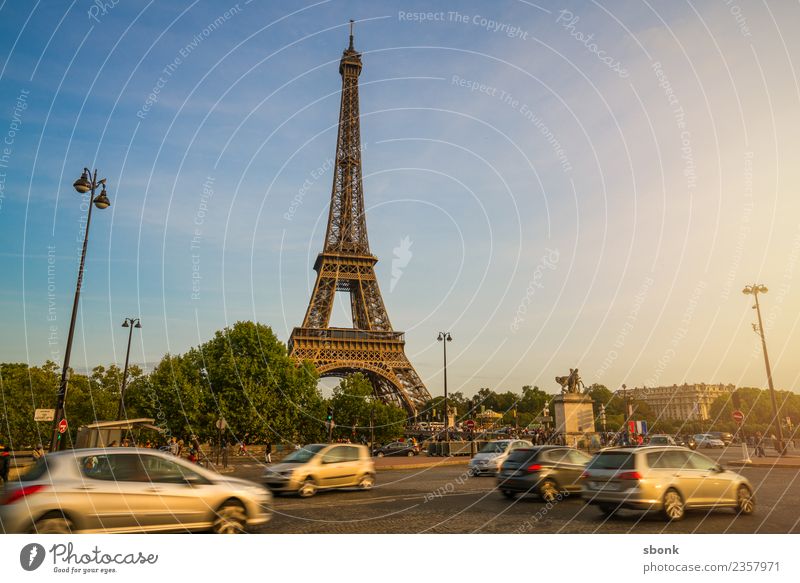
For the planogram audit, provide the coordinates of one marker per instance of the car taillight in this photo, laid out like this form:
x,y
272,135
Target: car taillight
x,y
534,467
585,475
21,493
629,476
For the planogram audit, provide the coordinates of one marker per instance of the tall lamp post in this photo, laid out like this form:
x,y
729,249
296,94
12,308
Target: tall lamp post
x,y
86,183
129,323
444,338
754,290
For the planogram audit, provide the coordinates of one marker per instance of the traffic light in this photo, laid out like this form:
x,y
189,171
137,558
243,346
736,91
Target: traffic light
x,y
330,414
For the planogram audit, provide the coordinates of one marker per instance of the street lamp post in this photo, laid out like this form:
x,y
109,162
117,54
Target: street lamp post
x,y
130,323
754,290
86,183
444,338
546,415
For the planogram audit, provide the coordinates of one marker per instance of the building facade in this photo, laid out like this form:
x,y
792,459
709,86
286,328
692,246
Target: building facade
x,y
685,402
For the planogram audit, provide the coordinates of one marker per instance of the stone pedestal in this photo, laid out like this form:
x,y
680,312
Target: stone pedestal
x,y
574,417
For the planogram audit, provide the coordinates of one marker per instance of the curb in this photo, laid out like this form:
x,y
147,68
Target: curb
x,y
443,462
744,464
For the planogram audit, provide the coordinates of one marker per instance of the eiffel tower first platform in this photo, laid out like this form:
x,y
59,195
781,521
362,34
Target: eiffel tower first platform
x,y
346,264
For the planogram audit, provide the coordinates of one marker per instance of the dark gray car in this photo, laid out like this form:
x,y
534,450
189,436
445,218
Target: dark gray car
x,y
545,471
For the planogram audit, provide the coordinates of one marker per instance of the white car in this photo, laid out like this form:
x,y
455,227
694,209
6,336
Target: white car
x,y
492,455
705,440
661,440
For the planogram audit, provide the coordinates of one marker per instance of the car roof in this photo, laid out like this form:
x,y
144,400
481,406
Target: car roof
x,y
87,451
631,449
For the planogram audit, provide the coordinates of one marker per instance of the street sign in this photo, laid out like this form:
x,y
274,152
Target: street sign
x,y
221,424
470,424
62,426
44,414
738,416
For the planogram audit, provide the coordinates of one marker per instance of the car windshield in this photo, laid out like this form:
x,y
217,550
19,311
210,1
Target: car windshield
x,y
659,440
494,447
612,460
304,454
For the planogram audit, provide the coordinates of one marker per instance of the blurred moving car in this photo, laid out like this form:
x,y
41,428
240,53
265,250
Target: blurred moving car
x,y
546,470
661,440
686,441
492,455
725,437
406,448
671,480
125,490
706,440
322,466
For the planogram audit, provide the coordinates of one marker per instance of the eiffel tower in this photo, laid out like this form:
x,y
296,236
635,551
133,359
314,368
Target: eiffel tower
x,y
346,264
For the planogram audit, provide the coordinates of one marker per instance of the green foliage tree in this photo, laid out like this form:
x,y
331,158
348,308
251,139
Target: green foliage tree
x,y
242,374
354,403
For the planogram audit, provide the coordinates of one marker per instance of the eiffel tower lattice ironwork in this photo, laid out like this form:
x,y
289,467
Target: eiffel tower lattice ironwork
x,y
347,265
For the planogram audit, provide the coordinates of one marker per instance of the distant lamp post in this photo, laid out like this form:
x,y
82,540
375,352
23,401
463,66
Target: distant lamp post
x,y
130,323
603,416
444,338
754,290
86,183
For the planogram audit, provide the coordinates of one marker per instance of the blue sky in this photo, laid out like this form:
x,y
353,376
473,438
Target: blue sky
x,y
569,200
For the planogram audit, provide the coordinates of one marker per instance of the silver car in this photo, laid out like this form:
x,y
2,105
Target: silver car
x,y
671,480
493,454
124,490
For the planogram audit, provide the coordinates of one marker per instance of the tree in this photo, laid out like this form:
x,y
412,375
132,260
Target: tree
x,y
354,402
242,374
24,389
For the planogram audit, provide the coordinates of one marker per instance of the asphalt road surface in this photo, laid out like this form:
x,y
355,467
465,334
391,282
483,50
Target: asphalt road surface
x,y
446,500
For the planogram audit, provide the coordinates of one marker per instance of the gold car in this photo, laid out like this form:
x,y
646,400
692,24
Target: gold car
x,y
322,466
671,480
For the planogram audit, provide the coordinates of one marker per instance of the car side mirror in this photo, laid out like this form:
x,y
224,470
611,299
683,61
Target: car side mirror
x,y
719,468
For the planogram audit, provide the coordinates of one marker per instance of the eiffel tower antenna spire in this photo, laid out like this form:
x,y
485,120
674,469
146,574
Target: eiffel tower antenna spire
x,y
347,265
351,48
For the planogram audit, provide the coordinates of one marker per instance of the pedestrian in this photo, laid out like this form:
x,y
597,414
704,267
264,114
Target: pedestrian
x,y
759,441
113,443
38,452
268,452
5,463
172,447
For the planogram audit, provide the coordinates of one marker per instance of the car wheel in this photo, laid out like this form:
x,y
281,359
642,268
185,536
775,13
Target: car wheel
x,y
410,454
509,494
379,454
230,518
308,489
607,509
366,482
674,507
52,525
548,491
745,503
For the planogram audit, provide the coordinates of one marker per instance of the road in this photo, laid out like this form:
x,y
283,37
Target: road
x,y
446,500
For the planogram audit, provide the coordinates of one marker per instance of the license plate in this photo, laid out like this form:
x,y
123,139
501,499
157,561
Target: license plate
x,y
607,486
